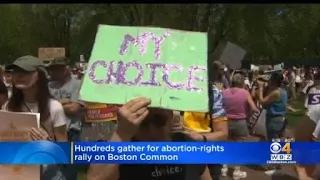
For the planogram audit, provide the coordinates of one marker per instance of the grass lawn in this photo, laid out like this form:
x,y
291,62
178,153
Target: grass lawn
x,y
293,118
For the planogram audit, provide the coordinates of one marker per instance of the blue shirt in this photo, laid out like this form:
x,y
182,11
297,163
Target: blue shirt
x,y
279,107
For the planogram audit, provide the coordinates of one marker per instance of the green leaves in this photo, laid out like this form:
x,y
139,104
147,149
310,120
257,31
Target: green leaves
x,y
269,33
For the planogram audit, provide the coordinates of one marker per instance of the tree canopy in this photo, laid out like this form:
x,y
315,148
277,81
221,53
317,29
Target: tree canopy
x,y
269,33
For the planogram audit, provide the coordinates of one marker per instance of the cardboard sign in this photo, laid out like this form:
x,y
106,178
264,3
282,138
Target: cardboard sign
x,y
265,67
51,53
16,127
230,54
96,112
278,66
168,66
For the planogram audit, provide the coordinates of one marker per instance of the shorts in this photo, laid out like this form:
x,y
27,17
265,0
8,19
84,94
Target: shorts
x,y
238,128
275,126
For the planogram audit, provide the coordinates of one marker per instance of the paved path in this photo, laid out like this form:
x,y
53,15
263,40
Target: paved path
x,y
257,172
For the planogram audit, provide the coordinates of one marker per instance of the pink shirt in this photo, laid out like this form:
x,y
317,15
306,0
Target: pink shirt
x,y
235,103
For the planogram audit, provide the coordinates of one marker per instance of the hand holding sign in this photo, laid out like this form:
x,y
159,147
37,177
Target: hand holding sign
x,y
39,134
131,115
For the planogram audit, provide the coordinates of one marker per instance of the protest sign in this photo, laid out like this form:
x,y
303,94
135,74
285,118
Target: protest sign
x,y
265,67
254,67
97,112
230,54
257,122
278,66
49,53
81,58
16,127
168,66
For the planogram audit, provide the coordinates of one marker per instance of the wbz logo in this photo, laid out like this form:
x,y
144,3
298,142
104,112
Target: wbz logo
x,y
280,154
313,99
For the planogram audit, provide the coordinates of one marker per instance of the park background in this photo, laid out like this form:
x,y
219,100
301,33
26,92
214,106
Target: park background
x,y
270,33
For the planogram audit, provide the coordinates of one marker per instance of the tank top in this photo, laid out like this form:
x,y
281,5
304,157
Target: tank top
x,y
279,107
235,103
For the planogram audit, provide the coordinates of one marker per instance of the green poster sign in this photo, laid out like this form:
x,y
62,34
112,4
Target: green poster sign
x,y
168,66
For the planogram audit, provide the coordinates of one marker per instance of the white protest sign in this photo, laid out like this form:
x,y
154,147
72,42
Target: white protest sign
x,y
82,58
16,127
254,67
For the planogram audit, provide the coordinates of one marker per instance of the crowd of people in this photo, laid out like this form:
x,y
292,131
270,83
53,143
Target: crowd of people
x,y
52,90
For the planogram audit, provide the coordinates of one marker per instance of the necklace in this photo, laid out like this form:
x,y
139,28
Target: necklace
x,y
30,110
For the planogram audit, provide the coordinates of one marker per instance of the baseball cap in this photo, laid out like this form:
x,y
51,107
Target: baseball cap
x,y
27,63
60,61
276,77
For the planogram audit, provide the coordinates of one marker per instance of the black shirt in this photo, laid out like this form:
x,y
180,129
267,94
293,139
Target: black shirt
x,y
3,88
162,172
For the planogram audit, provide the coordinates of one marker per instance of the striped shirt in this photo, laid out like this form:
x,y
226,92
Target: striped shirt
x,y
200,122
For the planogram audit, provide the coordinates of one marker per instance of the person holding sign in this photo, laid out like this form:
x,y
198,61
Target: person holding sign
x,y
137,122
30,93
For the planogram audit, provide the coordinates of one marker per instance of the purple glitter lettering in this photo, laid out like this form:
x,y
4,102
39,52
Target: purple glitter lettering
x,y
158,42
142,40
152,81
124,46
93,68
168,69
192,78
112,75
122,73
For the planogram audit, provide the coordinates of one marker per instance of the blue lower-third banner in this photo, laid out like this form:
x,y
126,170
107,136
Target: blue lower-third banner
x,y
45,152
196,153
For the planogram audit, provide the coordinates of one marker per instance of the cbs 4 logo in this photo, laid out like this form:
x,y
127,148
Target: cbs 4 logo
x,y
276,148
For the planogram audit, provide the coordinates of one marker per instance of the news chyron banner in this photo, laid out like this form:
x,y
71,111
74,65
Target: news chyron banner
x,y
46,152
